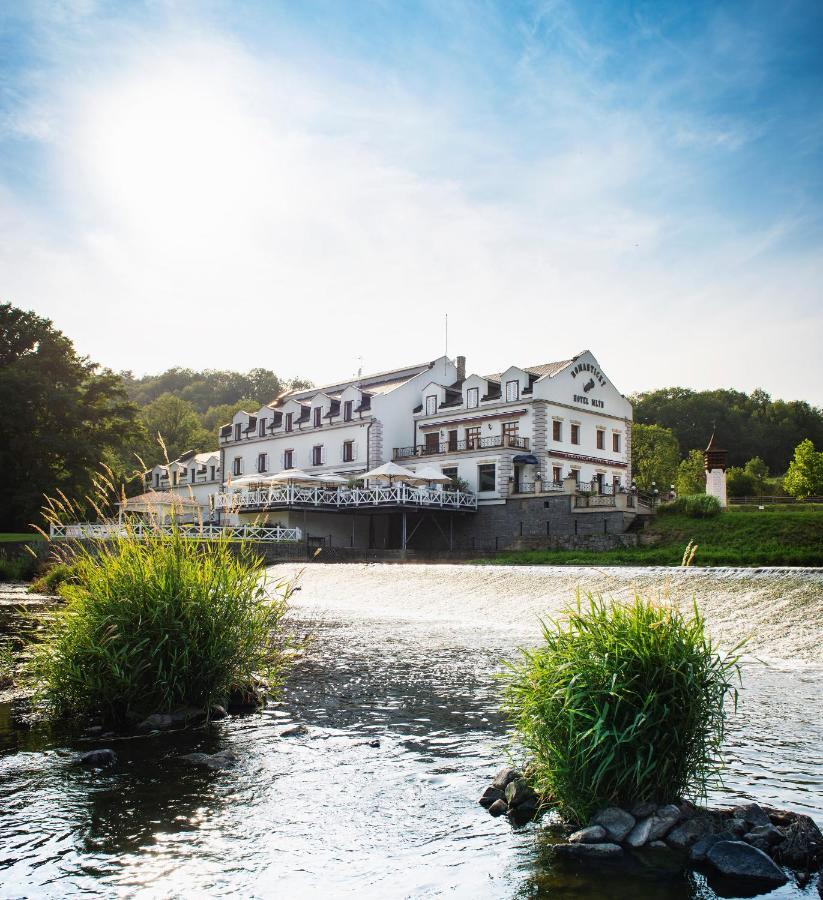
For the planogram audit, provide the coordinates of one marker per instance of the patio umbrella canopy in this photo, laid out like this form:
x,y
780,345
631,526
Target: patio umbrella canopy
x,y
391,472
297,476
245,480
430,473
331,478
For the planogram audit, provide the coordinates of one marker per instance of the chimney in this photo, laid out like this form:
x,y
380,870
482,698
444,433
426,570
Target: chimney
x,y
461,368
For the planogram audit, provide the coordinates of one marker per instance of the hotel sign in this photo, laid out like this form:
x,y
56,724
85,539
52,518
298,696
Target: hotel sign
x,y
592,376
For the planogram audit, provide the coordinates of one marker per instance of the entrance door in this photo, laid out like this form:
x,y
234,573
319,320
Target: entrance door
x,y
518,477
599,478
432,442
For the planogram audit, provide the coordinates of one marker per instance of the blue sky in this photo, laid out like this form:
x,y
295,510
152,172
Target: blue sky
x,y
295,185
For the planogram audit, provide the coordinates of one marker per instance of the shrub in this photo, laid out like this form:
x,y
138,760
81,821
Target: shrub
x,y
621,703
20,568
696,506
159,623
57,574
6,665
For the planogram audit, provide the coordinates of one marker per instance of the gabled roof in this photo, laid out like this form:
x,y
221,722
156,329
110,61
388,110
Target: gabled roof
x,y
543,370
377,383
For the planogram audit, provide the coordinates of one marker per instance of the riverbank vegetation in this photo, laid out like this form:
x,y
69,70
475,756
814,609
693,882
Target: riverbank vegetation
x,y
159,623
778,535
621,704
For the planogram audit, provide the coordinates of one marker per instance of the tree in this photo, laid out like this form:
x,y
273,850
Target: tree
x,y
60,415
691,474
655,456
805,475
175,421
215,416
758,471
740,483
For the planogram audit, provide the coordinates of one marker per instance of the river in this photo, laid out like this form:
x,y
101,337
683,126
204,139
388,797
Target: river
x,y
404,656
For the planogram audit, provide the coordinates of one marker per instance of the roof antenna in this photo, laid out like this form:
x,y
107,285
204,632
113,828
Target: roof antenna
x,y
446,360
360,370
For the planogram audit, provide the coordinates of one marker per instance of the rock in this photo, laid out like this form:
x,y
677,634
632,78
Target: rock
x,y
225,759
217,712
294,730
594,834
490,795
734,859
98,759
752,814
701,848
663,821
588,851
639,835
687,833
374,743
177,718
498,808
525,811
504,776
245,699
518,792
643,809
767,834
737,827
782,817
617,822
802,845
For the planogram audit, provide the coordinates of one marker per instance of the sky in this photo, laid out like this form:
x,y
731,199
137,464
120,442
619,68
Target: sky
x,y
312,186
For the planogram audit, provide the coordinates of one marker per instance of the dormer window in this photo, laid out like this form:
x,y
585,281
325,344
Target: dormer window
x,y
431,404
193,475
238,431
289,422
261,427
472,397
318,416
512,391
348,406
211,473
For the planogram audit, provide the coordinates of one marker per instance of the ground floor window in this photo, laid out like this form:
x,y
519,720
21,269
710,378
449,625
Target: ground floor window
x,y
487,477
317,455
288,459
450,472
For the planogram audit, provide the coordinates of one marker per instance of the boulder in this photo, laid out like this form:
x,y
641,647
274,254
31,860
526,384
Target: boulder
x,y
701,848
524,812
663,821
687,833
217,712
737,860
588,851
294,730
498,808
643,809
594,834
490,795
225,759
518,791
639,835
767,834
504,776
98,759
737,827
752,815
802,846
177,718
617,822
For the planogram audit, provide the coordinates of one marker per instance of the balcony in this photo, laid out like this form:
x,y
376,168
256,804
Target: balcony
x,y
496,441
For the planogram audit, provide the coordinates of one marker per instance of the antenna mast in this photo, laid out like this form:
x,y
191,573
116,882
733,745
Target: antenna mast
x,y
445,362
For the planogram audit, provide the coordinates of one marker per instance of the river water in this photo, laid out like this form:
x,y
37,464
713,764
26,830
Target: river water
x,y
404,656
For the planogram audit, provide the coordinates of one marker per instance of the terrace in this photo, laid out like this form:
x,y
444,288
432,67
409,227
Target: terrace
x,y
434,448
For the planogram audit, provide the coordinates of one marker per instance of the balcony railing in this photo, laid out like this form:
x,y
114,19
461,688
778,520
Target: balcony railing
x,y
344,498
84,531
537,487
515,442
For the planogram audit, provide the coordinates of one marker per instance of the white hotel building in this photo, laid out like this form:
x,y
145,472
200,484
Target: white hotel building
x,y
559,428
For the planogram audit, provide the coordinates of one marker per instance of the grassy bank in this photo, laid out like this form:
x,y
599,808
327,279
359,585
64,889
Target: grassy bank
x,y
742,536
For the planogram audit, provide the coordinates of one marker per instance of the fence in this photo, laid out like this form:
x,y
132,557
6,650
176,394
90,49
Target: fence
x,y
106,530
769,501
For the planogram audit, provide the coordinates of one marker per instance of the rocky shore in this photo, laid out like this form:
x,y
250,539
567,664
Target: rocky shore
x,y
749,846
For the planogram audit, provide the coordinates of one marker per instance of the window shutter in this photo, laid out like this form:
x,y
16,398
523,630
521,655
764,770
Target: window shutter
x,y
354,450
323,456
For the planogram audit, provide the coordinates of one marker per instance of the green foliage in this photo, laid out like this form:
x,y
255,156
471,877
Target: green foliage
x,y
59,415
154,624
747,425
751,480
6,664
19,568
620,704
215,416
176,422
58,574
655,456
805,475
695,506
691,475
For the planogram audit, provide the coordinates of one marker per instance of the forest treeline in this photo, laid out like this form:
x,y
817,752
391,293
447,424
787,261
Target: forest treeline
x,y
61,416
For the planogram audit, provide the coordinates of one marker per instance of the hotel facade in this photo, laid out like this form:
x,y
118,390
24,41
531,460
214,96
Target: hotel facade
x,y
558,430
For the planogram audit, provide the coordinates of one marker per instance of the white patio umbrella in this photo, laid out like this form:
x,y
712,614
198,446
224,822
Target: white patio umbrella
x,y
246,480
391,472
432,474
296,476
331,478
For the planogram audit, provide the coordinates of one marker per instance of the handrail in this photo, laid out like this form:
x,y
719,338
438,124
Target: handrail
x,y
513,441
106,530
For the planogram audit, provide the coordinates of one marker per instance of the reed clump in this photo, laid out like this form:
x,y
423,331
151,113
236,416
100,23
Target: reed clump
x,y
621,703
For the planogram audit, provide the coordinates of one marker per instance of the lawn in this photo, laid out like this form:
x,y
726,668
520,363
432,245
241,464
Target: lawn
x,y
11,537
742,536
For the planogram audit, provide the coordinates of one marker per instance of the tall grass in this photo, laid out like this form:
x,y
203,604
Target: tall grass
x,y
160,622
621,703
695,506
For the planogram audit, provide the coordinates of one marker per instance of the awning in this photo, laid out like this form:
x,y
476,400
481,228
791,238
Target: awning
x,y
525,459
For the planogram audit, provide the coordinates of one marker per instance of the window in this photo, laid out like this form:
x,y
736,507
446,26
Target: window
x,y
487,477
509,432
512,390
288,459
347,410
450,472
575,434
615,483
557,430
174,477
317,455
157,479
453,440
601,439
576,474
262,462
261,427
557,474
348,451
431,404
616,441
473,438
318,416
193,475
238,431
472,397
237,466
289,421
211,473
432,442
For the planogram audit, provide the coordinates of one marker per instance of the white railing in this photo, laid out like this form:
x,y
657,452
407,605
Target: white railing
x,y
345,498
105,530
